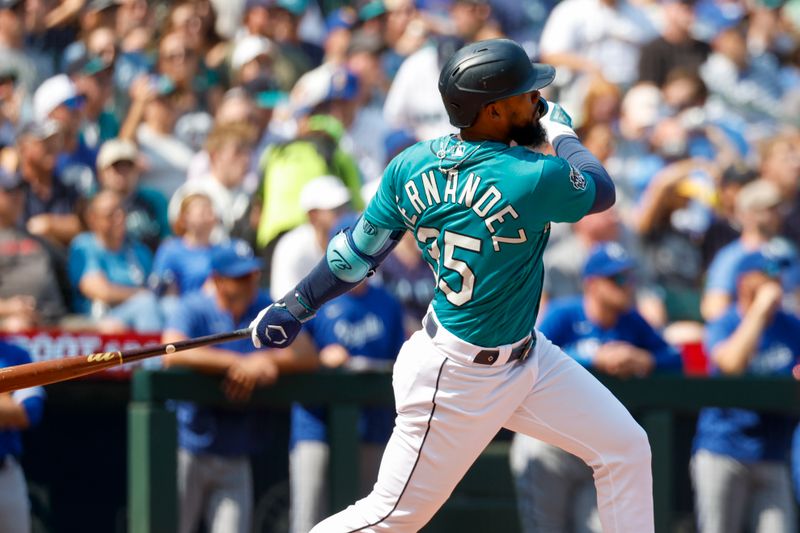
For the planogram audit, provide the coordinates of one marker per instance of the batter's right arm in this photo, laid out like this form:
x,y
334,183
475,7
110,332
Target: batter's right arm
x,y
558,125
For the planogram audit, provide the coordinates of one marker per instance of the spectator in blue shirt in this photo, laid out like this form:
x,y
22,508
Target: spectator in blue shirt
x,y
758,212
183,263
108,270
740,466
18,411
362,330
602,330
214,473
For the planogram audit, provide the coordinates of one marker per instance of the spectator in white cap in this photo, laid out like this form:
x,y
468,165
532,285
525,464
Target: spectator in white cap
x,y
119,169
325,199
251,58
58,99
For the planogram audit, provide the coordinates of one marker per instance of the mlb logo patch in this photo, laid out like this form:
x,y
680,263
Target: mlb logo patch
x,y
576,178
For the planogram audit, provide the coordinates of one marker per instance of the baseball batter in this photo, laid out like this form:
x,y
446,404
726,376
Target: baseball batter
x,y
480,204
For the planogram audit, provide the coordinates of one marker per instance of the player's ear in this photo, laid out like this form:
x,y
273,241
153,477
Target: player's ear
x,y
493,112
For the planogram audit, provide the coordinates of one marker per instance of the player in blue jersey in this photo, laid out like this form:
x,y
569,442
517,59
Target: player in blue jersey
x,y
600,329
18,410
480,204
360,330
740,468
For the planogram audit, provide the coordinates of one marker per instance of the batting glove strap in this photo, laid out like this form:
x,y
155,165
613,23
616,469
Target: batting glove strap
x,y
274,327
556,122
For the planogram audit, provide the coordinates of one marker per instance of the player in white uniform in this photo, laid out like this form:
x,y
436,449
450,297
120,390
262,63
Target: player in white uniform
x,y
480,210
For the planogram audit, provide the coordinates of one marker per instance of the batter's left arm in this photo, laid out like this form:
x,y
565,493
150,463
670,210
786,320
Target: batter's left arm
x,y
352,255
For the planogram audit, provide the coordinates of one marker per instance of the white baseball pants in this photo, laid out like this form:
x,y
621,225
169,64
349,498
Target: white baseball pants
x,y
449,409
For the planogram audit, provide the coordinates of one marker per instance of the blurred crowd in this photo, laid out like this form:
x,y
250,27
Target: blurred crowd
x,y
147,148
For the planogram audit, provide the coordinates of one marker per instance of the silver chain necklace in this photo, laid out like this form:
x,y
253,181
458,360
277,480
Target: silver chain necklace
x,y
444,149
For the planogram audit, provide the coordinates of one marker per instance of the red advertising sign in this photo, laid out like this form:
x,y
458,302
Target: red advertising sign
x,y
49,344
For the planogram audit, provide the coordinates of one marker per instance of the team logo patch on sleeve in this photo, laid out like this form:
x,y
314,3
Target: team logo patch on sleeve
x,y
576,178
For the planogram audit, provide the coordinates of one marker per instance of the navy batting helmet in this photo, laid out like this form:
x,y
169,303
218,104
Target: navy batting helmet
x,y
487,71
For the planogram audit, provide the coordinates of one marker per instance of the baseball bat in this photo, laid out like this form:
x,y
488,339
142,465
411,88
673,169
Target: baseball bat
x,y
66,368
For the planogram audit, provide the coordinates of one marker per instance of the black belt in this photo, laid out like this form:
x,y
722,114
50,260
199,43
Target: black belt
x,y
490,355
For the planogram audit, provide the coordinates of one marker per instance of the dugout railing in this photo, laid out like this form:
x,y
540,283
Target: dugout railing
x,y
657,402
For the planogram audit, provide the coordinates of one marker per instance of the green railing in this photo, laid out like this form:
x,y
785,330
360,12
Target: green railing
x,y
656,402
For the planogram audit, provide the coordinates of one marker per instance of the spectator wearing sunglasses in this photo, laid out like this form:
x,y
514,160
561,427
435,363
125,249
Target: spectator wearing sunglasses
x,y
601,330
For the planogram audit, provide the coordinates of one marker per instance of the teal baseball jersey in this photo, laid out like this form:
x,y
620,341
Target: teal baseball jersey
x,y
481,213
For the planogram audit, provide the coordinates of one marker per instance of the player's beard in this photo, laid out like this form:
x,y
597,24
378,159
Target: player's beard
x,y
532,134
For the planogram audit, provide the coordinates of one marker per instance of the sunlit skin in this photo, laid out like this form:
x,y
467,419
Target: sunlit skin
x,y
515,118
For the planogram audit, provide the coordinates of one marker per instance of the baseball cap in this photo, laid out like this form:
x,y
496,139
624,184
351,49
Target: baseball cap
x,y
759,262
344,18
295,7
234,259
757,195
250,4
607,259
114,150
9,4
324,192
322,86
265,92
88,65
9,181
100,5
248,48
738,173
39,130
53,92
371,10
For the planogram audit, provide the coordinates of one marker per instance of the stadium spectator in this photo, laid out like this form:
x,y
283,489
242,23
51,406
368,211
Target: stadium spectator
x,y
57,99
285,16
742,86
675,47
314,152
324,199
151,123
758,214
413,102
50,204
11,96
601,105
600,329
14,54
30,294
196,86
671,245
565,260
229,150
724,228
739,468
93,79
472,20
183,263
118,170
589,38
360,330
252,58
108,271
409,278
780,165
214,474
19,411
